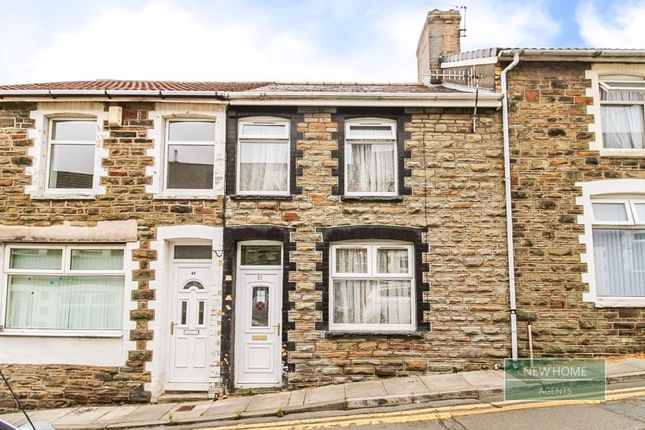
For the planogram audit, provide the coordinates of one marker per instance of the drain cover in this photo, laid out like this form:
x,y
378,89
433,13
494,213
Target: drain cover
x,y
186,408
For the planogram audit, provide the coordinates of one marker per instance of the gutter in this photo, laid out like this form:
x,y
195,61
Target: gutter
x,y
112,93
285,98
508,203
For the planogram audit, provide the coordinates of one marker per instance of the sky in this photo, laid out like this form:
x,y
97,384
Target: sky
x,y
280,40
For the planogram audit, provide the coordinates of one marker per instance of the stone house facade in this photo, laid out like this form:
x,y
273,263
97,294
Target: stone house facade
x,y
204,237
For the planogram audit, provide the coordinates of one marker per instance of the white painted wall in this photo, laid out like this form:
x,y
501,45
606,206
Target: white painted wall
x,y
62,350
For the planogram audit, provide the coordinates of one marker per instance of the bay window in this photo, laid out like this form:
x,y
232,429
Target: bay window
x,y
622,104
370,157
64,288
190,154
372,287
619,247
263,156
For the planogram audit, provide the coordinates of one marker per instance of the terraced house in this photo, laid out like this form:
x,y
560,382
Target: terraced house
x,y
163,237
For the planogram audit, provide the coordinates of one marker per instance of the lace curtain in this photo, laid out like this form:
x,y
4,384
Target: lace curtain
x,y
370,168
263,167
622,124
620,262
65,302
372,301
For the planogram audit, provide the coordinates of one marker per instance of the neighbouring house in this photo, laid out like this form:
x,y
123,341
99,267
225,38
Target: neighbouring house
x,y
160,237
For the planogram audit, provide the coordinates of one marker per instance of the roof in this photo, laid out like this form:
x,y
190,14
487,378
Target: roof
x,y
112,84
553,54
265,87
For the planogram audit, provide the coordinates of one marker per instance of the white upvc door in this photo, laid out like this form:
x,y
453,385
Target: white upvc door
x,y
258,326
188,363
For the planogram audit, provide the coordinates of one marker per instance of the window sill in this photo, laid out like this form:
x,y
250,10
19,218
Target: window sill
x,y
624,153
372,198
61,333
260,197
186,196
619,303
344,333
90,196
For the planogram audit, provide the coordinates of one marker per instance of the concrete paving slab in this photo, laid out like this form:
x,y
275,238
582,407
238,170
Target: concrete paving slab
x,y
297,399
80,416
622,369
49,415
408,385
448,385
357,390
148,413
637,363
116,414
273,401
486,380
186,411
325,394
17,418
227,406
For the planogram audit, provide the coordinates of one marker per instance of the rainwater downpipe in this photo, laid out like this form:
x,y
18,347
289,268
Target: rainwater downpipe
x,y
509,208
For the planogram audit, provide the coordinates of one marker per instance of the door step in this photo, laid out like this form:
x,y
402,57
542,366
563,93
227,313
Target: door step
x,y
182,396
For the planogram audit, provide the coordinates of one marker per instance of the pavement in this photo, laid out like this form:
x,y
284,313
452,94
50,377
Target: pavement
x,y
370,394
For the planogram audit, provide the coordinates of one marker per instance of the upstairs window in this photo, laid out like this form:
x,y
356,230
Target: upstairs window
x,y
263,156
72,149
372,287
190,155
622,103
370,157
619,247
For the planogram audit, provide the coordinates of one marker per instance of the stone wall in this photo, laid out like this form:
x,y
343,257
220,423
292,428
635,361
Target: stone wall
x,y
455,178
60,386
464,211
550,153
125,198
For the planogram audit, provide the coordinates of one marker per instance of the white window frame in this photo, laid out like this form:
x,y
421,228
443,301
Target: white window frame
x,y
624,202
259,243
64,269
371,274
606,85
40,151
365,140
284,138
166,157
633,203
628,191
48,159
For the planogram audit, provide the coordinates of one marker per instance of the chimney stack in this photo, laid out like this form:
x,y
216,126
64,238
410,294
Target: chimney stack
x,y
439,37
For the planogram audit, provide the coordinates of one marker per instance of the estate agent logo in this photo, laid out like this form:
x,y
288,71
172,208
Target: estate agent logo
x,y
554,379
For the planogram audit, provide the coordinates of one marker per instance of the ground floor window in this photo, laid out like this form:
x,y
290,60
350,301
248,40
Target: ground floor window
x,y
619,247
372,287
64,287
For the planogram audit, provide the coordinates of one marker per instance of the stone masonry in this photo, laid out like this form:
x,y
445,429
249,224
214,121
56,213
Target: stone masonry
x,y
125,198
464,211
550,153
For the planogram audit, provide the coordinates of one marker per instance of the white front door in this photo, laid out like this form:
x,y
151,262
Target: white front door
x,y
188,364
258,316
